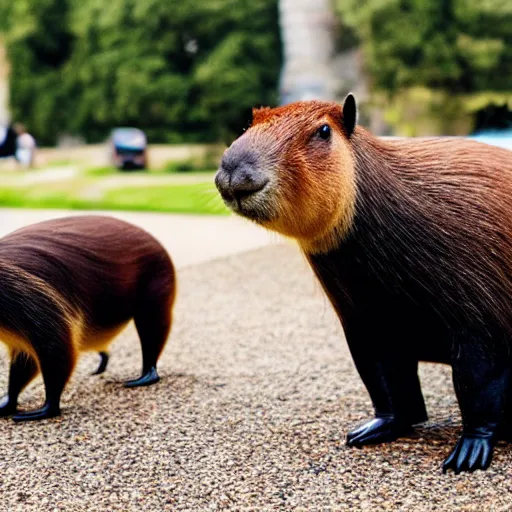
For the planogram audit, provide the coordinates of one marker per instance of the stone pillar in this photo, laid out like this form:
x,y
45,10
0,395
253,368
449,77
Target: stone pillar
x,y
4,85
307,32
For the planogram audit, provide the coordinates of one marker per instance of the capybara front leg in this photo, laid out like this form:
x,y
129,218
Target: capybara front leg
x,y
392,381
481,381
397,400
23,369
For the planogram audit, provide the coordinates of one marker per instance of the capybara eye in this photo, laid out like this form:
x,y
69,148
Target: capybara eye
x,y
324,132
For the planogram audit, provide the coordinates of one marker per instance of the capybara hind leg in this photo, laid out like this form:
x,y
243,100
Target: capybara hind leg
x,y
153,322
104,357
56,361
153,332
23,369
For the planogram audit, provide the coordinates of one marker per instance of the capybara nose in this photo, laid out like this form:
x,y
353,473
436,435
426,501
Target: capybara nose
x,y
246,181
239,175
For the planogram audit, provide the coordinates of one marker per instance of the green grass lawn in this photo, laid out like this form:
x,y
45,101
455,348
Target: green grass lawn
x,y
105,189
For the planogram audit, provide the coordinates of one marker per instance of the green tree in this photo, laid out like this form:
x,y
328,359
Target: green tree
x,y
459,46
39,42
181,70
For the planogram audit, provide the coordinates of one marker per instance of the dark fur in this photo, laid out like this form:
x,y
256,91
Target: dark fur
x,y
426,274
75,276
424,271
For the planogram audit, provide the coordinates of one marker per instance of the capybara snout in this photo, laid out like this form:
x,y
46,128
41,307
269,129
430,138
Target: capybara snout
x,y
240,177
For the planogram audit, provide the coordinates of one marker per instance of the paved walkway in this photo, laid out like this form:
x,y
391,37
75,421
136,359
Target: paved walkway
x,y
190,239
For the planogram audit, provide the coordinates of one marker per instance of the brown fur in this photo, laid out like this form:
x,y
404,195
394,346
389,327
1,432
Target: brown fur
x,y
412,242
314,202
72,284
456,192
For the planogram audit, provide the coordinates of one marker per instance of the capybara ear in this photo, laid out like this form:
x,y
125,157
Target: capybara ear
x,y
259,114
349,114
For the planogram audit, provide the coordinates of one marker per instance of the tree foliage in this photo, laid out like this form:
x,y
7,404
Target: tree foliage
x,y
39,43
459,46
181,70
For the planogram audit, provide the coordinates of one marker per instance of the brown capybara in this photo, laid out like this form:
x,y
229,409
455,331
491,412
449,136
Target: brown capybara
x,y
72,284
412,242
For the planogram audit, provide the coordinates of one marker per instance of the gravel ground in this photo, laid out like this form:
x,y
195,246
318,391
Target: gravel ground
x,y
258,390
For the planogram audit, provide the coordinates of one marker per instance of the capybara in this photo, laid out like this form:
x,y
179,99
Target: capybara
x,y
72,284
411,240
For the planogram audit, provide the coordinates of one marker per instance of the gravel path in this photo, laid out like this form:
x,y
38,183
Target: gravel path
x,y
257,394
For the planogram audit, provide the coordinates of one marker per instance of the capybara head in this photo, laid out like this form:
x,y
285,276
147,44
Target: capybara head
x,y
293,171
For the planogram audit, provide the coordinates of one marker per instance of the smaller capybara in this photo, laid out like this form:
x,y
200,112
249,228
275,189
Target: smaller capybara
x,y
70,285
412,242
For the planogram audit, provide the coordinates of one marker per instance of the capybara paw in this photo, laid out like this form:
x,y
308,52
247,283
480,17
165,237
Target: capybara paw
x,y
47,411
148,378
472,451
378,430
7,408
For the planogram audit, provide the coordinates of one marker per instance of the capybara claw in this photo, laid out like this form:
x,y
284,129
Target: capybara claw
x,y
472,452
45,412
376,431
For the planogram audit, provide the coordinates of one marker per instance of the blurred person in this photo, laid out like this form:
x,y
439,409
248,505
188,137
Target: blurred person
x,y
25,146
